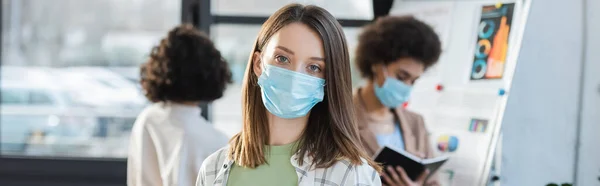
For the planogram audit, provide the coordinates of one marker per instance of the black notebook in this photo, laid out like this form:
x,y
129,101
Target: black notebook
x,y
412,165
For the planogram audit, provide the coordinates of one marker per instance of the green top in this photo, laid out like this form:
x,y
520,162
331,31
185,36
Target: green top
x,y
278,171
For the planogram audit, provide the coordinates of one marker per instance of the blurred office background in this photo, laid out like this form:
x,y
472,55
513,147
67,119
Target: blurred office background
x,y
70,94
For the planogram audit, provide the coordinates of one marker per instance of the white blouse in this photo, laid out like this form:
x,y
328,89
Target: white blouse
x,y
168,144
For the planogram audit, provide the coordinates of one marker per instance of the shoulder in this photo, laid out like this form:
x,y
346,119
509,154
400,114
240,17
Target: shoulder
x,y
412,117
151,114
203,131
155,108
410,114
211,166
355,174
143,119
213,161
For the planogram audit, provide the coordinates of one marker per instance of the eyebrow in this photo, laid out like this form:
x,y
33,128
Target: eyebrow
x,y
285,49
406,73
317,58
291,52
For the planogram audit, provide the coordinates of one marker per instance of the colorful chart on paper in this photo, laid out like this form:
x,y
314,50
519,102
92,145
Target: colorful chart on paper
x,y
492,41
478,125
447,143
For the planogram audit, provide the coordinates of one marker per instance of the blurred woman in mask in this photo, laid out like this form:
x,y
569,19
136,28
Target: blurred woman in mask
x,y
392,53
170,138
298,120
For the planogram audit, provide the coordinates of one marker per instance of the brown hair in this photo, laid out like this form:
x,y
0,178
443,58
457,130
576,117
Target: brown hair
x,y
331,133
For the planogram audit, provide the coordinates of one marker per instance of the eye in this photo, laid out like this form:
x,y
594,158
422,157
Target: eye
x,y
401,78
314,68
282,59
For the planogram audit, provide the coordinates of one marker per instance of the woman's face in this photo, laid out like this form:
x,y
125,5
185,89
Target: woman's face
x,y
407,70
295,47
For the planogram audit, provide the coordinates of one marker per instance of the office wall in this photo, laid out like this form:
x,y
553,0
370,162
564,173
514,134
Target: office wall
x,y
589,152
539,129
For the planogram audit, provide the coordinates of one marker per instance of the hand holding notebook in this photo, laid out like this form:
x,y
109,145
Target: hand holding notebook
x,y
396,176
413,166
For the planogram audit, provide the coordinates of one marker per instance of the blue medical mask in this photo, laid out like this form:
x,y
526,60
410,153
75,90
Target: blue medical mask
x,y
289,94
393,92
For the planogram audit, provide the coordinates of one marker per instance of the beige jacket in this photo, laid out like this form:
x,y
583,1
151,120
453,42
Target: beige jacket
x,y
414,133
416,140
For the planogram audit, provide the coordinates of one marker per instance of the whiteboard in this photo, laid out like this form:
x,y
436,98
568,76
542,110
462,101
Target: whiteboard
x,y
460,111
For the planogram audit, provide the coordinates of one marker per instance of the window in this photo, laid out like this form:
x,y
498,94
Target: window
x,y
352,38
341,9
14,96
67,70
15,138
235,43
40,98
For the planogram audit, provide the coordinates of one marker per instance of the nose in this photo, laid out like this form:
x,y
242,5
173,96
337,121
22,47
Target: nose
x,y
299,67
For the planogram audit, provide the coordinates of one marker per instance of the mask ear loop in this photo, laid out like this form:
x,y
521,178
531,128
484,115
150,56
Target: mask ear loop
x,y
385,74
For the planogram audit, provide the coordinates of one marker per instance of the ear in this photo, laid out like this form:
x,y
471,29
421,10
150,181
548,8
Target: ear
x,y
378,74
257,63
374,68
377,69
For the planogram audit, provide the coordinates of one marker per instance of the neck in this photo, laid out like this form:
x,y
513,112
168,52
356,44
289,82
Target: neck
x,y
372,103
285,131
188,103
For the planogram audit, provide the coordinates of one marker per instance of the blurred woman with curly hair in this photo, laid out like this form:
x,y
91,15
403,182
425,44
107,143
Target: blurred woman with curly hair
x,y
392,53
170,139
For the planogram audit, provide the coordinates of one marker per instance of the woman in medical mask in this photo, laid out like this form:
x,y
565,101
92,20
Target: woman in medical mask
x,y
298,119
392,53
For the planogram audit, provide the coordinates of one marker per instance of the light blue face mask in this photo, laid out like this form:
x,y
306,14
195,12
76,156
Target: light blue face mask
x,y
393,92
289,94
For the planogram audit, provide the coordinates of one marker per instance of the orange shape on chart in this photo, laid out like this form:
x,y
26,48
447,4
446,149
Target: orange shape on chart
x,y
497,57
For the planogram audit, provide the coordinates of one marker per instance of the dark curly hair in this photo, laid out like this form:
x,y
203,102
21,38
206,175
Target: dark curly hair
x,y
391,38
185,66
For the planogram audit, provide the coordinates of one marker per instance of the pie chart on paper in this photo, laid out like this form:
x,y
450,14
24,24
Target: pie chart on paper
x,y
447,143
